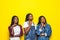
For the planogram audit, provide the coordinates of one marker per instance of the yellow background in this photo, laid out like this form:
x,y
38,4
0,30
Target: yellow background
x,y
48,8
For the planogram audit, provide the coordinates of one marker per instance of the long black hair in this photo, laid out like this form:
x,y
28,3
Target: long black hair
x,y
39,20
28,16
12,22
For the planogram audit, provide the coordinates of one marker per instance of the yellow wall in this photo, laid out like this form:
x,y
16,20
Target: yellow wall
x,y
49,8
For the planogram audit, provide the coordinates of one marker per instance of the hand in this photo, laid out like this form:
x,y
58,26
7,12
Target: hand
x,y
43,25
42,34
27,29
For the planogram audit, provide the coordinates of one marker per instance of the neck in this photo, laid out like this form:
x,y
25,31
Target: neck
x,y
30,20
15,24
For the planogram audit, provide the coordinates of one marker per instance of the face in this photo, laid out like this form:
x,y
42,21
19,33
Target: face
x,y
42,20
30,17
15,20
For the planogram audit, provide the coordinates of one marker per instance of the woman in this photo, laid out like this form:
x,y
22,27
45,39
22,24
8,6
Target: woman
x,y
29,28
43,29
15,29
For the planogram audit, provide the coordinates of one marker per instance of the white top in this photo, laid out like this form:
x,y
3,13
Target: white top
x,y
26,24
14,38
16,30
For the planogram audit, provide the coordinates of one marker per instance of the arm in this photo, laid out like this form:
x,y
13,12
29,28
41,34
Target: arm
x,y
21,33
48,31
26,27
38,31
11,31
26,30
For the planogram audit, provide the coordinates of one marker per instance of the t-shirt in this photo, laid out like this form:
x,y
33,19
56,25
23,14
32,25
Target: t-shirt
x,y
26,24
16,30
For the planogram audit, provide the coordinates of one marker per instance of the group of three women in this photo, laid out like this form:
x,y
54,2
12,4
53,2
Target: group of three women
x,y
41,32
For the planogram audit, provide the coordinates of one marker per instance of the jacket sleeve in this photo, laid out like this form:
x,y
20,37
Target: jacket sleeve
x,y
21,32
48,30
38,32
10,31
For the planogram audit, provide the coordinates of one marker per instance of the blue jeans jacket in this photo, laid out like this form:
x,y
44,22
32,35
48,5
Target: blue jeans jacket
x,y
46,29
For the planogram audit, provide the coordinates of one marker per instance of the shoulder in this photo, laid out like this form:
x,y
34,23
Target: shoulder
x,y
38,25
10,28
20,25
25,24
33,24
48,26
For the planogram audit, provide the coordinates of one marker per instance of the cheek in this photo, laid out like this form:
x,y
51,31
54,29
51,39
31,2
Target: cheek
x,y
30,17
42,20
15,21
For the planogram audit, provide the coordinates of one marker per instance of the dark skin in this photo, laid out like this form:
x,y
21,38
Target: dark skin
x,y
15,23
26,30
43,24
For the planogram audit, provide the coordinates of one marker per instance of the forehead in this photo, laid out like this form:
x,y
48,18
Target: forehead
x,y
42,18
30,15
15,18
